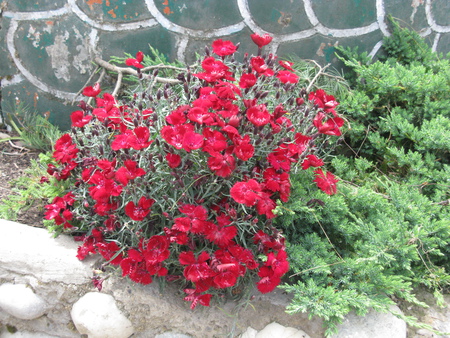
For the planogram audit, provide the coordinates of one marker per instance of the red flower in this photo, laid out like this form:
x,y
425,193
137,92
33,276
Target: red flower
x,y
330,126
134,266
137,61
92,91
247,193
197,298
79,119
243,149
178,116
174,135
65,149
156,250
278,263
214,142
258,115
221,235
324,101
223,48
192,140
201,115
269,281
261,40
110,252
326,182
268,242
247,80
129,172
259,65
286,64
265,205
89,244
196,269
173,160
222,164
311,161
214,70
286,76
136,139
141,210
58,210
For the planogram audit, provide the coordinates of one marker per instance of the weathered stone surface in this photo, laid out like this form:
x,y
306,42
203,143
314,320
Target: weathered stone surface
x,y
276,330
249,333
373,325
172,335
20,301
24,334
25,250
96,314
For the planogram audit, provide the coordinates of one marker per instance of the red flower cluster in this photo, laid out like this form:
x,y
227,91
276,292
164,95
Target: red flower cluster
x,y
185,186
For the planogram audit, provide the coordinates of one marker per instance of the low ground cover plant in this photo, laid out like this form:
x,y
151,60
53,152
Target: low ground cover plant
x,y
180,181
387,231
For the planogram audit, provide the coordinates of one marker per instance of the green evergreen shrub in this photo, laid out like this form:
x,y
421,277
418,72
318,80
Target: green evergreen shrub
x,y
388,229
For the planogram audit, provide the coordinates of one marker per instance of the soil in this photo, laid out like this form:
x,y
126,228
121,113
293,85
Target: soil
x,y
15,158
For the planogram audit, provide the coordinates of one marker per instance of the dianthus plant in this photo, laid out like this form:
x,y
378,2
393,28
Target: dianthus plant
x,y
182,182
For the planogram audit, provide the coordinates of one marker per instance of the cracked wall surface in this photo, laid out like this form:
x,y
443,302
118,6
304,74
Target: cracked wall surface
x,y
47,46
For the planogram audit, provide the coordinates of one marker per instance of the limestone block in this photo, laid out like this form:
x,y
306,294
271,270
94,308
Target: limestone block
x,y
249,333
24,334
25,250
277,330
96,314
20,301
172,335
373,325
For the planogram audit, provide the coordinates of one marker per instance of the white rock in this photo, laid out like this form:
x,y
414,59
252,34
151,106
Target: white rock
x,y
249,333
373,325
96,314
24,334
20,301
26,250
279,331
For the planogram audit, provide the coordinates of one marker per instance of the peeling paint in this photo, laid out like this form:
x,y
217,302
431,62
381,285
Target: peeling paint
x,y
59,57
414,5
34,36
91,3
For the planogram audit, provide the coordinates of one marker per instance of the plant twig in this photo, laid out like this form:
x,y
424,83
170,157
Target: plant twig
x,y
128,70
320,72
118,83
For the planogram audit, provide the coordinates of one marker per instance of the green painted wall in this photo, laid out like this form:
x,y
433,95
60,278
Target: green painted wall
x,y
47,46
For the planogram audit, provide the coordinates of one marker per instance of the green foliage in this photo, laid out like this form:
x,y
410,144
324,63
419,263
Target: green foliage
x,y
28,191
399,113
388,229
406,46
33,129
363,247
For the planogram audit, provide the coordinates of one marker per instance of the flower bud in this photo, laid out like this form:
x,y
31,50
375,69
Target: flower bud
x,y
82,105
158,94
155,72
245,60
207,51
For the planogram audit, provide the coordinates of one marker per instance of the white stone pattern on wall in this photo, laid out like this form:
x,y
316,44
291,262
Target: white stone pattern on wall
x,y
184,35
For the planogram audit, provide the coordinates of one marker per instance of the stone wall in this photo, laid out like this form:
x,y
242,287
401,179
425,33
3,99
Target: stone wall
x,y
47,46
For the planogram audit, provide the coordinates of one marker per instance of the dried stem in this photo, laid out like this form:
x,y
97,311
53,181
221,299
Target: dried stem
x,y
319,73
